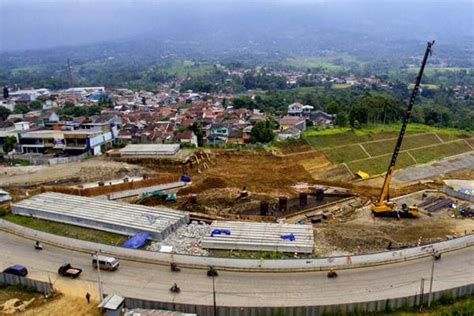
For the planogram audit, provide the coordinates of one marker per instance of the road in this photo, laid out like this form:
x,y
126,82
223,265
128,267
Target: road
x,y
151,281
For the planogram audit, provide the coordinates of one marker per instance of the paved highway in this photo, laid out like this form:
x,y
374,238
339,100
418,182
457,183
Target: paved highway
x,y
151,281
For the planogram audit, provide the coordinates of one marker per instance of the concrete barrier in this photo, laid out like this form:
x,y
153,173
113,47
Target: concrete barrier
x,y
356,308
236,264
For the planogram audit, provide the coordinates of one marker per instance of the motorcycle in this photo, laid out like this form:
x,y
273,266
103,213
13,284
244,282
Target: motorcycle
x,y
437,255
174,267
175,288
332,274
212,272
38,246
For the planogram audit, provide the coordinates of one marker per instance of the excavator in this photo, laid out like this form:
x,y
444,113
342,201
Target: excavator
x,y
383,206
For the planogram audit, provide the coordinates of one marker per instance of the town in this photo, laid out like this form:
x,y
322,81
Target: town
x,y
201,157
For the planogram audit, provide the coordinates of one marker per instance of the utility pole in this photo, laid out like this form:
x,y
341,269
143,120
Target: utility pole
x,y
214,295
431,280
422,290
99,281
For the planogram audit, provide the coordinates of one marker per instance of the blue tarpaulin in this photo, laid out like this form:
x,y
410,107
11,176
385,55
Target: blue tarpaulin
x,y
220,231
136,241
290,237
185,178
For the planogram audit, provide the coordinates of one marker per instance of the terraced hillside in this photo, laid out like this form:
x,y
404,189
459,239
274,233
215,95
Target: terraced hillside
x,y
370,150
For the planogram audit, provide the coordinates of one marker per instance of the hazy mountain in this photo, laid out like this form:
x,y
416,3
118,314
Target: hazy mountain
x,y
300,27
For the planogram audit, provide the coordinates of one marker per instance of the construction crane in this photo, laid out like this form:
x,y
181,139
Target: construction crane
x,y
383,206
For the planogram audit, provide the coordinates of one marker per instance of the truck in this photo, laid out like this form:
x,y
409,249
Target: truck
x,y
66,270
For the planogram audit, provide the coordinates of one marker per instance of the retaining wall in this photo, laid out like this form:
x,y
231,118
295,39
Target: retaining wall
x,y
39,286
274,265
385,305
103,190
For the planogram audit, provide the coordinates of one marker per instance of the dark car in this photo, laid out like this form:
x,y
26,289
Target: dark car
x,y
16,269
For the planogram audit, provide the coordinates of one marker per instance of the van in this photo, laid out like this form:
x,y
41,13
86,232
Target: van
x,y
105,263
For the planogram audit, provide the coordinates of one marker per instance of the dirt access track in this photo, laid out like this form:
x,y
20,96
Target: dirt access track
x,y
85,171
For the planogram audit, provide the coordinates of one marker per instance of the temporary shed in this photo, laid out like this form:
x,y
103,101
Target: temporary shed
x,y
112,305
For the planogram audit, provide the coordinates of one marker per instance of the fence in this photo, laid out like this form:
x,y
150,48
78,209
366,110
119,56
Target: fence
x,y
105,189
39,286
384,305
60,160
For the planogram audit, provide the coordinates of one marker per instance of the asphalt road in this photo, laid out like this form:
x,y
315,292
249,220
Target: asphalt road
x,y
152,282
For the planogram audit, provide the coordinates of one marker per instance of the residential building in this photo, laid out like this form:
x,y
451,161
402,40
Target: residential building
x,y
293,121
187,137
73,142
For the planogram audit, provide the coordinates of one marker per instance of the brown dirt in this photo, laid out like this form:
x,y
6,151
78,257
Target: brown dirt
x,y
59,304
266,176
374,234
261,172
90,170
293,147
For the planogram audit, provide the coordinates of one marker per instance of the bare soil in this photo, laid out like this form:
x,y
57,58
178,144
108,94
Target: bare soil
x,y
90,170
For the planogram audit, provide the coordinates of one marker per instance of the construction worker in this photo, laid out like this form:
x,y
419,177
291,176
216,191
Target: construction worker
x,y
244,194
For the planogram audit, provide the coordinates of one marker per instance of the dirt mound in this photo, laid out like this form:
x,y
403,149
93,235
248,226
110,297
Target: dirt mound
x,y
204,184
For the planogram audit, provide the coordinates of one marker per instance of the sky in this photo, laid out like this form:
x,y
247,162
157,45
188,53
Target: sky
x,y
32,24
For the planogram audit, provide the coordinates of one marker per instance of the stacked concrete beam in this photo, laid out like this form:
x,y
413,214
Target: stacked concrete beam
x,y
149,149
120,218
260,237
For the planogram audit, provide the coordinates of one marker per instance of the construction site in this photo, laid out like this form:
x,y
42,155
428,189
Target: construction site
x,y
324,195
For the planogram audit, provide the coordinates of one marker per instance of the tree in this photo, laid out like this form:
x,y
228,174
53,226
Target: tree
x,y
35,105
243,102
262,132
341,119
196,128
9,144
4,112
21,109
332,107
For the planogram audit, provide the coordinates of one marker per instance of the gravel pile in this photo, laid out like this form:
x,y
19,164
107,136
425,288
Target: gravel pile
x,y
186,240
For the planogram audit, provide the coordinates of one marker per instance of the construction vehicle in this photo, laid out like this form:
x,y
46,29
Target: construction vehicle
x,y
383,206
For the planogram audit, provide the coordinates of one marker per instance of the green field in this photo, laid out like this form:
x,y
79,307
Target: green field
x,y
380,164
430,70
321,63
332,137
440,151
67,230
345,154
409,142
33,68
428,86
341,86
342,145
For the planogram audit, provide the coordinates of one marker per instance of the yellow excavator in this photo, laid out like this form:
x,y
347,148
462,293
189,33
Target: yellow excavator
x,y
383,206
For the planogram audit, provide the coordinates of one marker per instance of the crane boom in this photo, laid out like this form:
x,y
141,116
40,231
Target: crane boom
x,y
381,206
